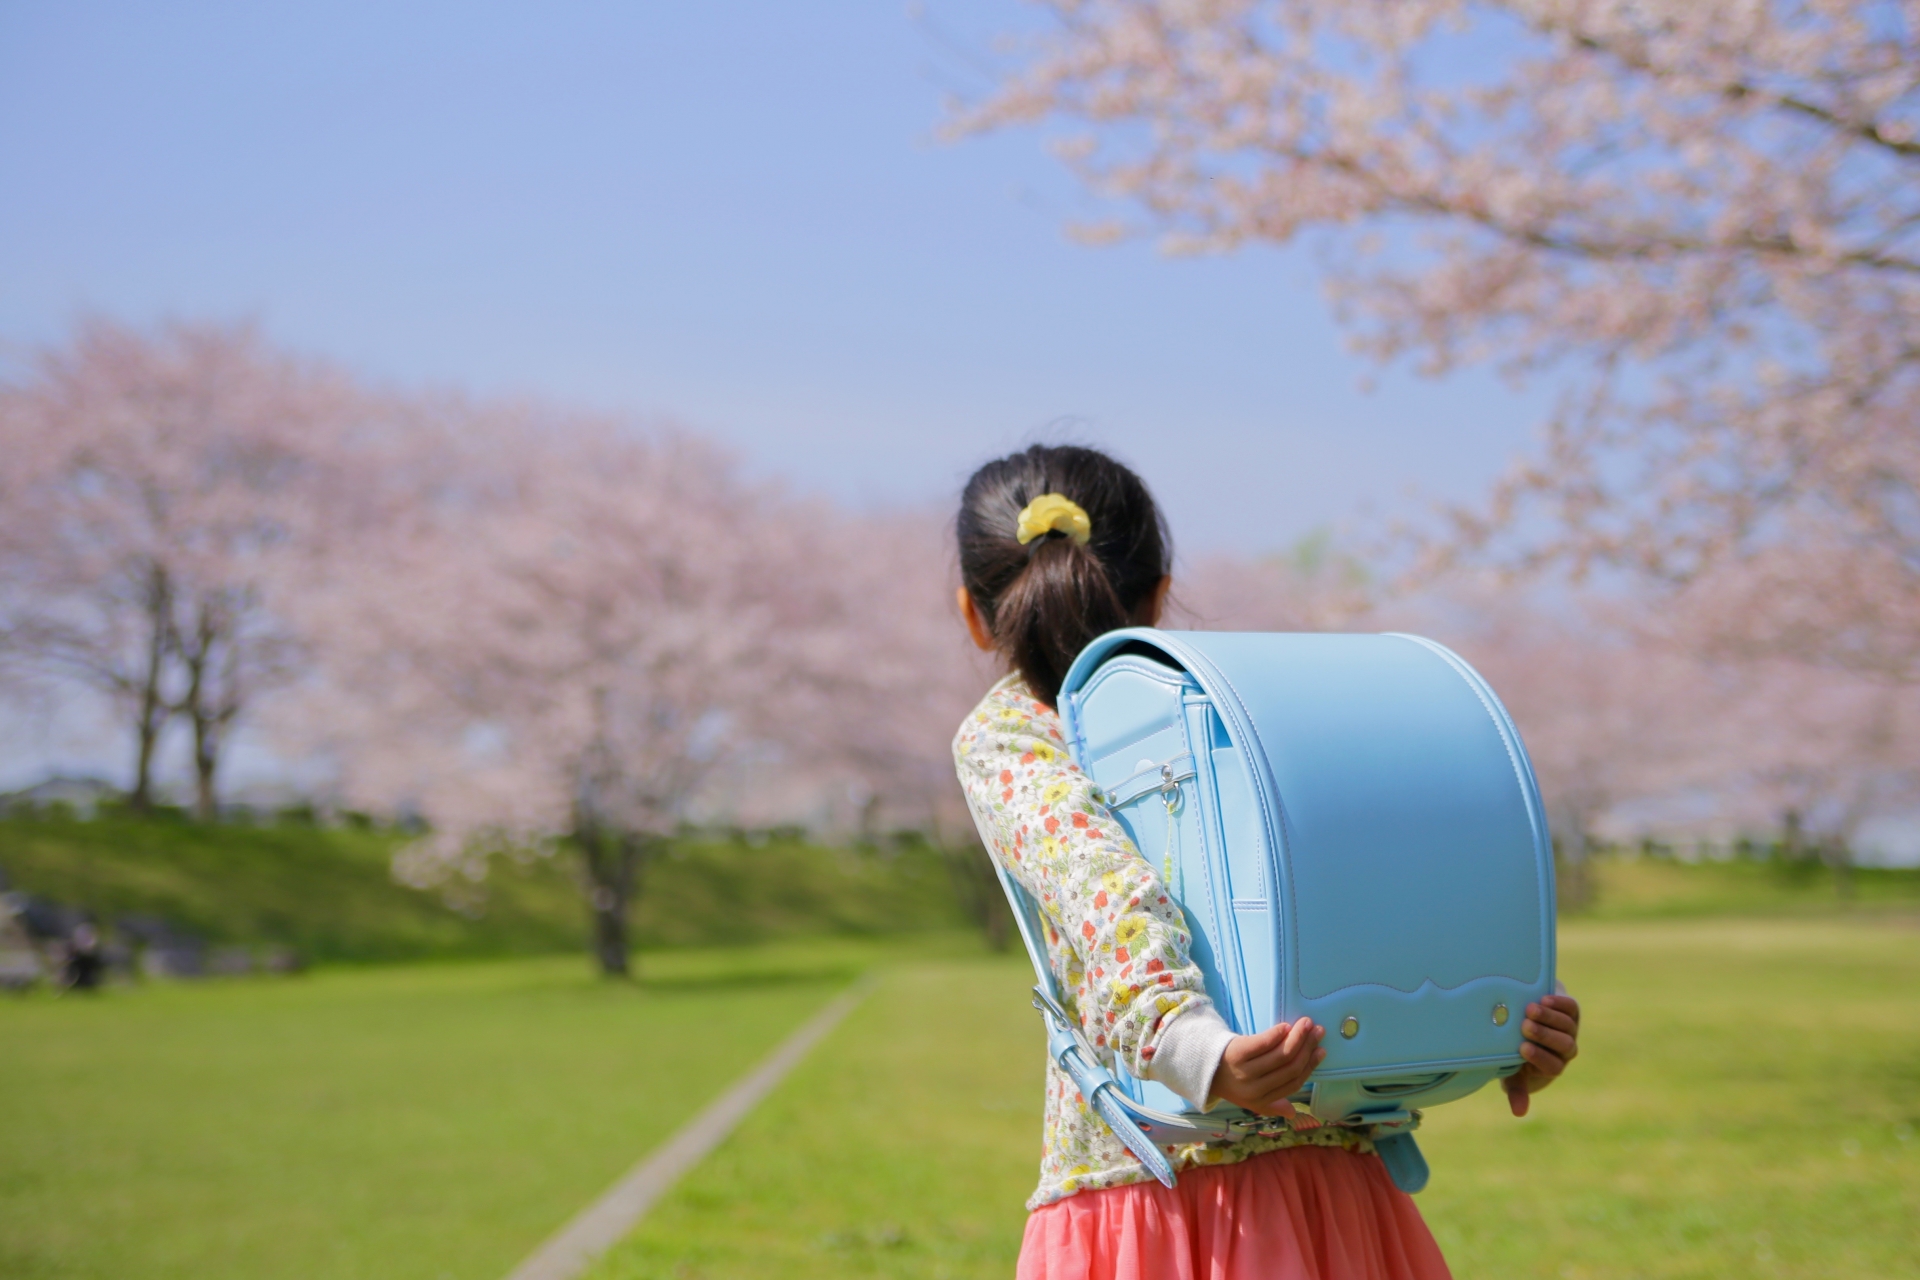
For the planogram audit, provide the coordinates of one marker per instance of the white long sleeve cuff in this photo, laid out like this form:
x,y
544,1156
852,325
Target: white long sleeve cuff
x,y
1188,1053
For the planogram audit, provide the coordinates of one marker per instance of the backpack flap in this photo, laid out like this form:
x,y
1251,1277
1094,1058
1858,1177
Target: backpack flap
x,y
1419,876
1373,850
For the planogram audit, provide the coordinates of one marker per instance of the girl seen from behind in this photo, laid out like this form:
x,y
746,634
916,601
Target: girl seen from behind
x,y
1059,545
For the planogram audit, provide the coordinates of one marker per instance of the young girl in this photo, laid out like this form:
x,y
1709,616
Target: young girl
x,y
1057,546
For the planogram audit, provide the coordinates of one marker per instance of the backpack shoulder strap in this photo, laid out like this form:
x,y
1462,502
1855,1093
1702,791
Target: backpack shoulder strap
x,y
1141,1129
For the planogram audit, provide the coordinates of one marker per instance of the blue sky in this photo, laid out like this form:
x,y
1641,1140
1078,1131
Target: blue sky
x,y
731,215
735,216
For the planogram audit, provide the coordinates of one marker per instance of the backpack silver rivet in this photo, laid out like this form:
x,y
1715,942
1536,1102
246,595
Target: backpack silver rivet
x,y
1350,1026
1500,1015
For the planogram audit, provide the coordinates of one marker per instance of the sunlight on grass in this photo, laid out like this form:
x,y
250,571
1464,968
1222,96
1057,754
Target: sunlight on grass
x,y
1746,1105
420,1122
905,1145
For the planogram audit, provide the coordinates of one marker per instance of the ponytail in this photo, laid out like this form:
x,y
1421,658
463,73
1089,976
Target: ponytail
x,y
1045,593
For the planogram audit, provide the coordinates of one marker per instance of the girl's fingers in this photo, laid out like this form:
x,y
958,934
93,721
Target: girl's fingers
x,y
1273,1037
1560,1042
1562,1004
1299,1061
1550,1040
1259,1064
1265,1044
1289,1080
1547,1062
1246,1054
1275,1071
1299,1036
1277,1083
1558,1019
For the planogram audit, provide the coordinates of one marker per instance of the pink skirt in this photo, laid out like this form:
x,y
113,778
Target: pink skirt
x,y
1305,1213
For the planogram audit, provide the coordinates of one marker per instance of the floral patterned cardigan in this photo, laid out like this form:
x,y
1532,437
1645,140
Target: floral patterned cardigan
x,y
1117,943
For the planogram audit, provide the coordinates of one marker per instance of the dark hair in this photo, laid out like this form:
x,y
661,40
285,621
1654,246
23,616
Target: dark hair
x,y
1045,601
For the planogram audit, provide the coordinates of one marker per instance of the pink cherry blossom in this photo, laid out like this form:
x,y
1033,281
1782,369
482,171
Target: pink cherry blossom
x,y
156,503
1702,217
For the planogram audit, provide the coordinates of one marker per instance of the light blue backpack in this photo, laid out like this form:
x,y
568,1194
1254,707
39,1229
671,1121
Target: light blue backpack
x,y
1352,827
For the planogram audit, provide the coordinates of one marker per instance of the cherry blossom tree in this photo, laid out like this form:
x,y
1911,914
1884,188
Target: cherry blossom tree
x,y
1614,716
1314,585
155,492
555,632
1629,710
1703,215
1804,602
887,672
1827,751
1810,751
890,675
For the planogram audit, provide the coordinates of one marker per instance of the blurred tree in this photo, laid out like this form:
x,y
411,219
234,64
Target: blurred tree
x,y
1707,210
1624,708
551,630
1612,715
1824,752
889,675
156,491
876,673
1312,586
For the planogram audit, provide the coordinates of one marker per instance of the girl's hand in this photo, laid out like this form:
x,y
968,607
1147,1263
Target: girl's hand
x,y
1258,1072
1550,1040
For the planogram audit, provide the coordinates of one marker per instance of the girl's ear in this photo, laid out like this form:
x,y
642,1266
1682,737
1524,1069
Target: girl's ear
x,y
976,625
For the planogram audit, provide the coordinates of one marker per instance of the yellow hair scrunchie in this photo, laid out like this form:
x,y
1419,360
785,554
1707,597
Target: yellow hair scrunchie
x,y
1051,511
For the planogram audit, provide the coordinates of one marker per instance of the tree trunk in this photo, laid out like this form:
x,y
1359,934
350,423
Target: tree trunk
x,y
153,708
1575,888
1792,845
152,720
978,887
206,760
211,704
613,861
999,924
1838,855
610,946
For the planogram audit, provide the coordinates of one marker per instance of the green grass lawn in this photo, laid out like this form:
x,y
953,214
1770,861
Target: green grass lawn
x,y
421,1122
905,1145
1747,1105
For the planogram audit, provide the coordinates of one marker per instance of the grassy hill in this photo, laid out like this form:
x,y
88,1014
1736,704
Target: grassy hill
x,y
1628,887
328,891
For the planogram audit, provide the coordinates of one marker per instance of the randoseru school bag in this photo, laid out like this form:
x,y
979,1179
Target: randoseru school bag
x,y
1352,828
